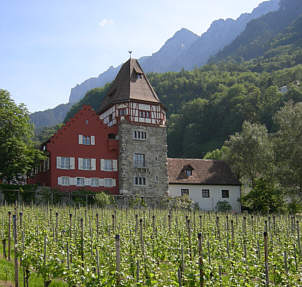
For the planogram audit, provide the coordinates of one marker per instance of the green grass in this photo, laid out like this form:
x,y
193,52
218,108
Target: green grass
x,y
7,274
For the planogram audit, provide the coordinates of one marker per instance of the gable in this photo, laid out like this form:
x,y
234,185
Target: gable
x,y
85,123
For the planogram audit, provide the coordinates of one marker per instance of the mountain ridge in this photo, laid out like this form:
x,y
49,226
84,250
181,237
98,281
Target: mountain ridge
x,y
167,58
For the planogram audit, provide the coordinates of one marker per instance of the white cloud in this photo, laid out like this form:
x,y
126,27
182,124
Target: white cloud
x,y
105,22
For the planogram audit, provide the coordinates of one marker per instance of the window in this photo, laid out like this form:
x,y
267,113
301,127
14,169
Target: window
x,y
139,135
205,193
65,162
122,112
144,114
139,160
188,172
225,193
108,182
86,140
139,180
110,118
80,181
87,163
139,76
94,182
108,165
184,192
111,136
63,180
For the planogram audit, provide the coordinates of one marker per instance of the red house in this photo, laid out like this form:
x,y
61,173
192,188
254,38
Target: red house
x,y
82,154
121,148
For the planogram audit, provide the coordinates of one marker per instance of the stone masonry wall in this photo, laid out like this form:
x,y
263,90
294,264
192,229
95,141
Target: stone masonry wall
x,y
154,147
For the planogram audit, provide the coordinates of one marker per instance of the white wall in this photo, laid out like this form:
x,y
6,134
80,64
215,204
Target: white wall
x,y
215,195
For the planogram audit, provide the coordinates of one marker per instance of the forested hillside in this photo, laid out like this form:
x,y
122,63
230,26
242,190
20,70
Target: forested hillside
x,y
263,35
207,105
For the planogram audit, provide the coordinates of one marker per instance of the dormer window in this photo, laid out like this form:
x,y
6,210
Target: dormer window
x,y
188,172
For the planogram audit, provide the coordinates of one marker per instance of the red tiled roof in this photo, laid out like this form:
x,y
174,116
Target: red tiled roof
x,y
211,172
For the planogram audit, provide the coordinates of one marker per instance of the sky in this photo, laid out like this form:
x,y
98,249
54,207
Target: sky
x,y
48,47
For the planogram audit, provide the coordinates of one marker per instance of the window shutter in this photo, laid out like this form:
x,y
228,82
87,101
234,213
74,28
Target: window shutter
x,y
87,181
114,165
72,165
113,182
58,162
101,182
102,164
80,139
92,140
93,164
80,163
59,180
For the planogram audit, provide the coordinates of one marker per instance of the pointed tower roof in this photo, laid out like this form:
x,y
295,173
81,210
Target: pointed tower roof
x,y
131,83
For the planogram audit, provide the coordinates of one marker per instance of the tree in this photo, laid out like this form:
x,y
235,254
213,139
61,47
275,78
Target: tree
x,y
250,153
288,146
17,152
264,197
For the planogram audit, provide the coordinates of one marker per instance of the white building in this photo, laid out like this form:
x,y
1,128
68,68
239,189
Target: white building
x,y
205,181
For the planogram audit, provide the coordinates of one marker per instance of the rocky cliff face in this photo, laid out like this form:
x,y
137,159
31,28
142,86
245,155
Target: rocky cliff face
x,y
50,117
220,34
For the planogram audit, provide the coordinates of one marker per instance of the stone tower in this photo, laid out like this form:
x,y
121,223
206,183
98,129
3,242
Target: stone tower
x,y
132,105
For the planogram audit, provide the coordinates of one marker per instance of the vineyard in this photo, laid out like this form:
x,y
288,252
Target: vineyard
x,y
89,246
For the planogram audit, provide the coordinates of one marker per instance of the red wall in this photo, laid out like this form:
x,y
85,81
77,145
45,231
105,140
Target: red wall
x,y
65,143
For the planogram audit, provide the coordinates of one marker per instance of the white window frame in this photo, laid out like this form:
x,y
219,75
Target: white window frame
x,y
105,167
86,163
86,140
82,179
109,182
94,181
62,162
64,180
139,160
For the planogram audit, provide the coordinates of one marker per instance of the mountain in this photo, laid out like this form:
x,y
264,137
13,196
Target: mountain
x,y
50,117
208,104
257,38
158,62
220,34
184,50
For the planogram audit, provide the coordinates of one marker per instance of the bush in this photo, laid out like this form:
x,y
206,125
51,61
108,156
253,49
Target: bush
x,y
294,206
223,206
11,192
265,197
102,199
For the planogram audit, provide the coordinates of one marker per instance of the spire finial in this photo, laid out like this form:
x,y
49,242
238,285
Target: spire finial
x,y
130,52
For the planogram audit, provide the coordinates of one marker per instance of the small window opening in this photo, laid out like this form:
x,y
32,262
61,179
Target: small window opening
x,y
111,136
